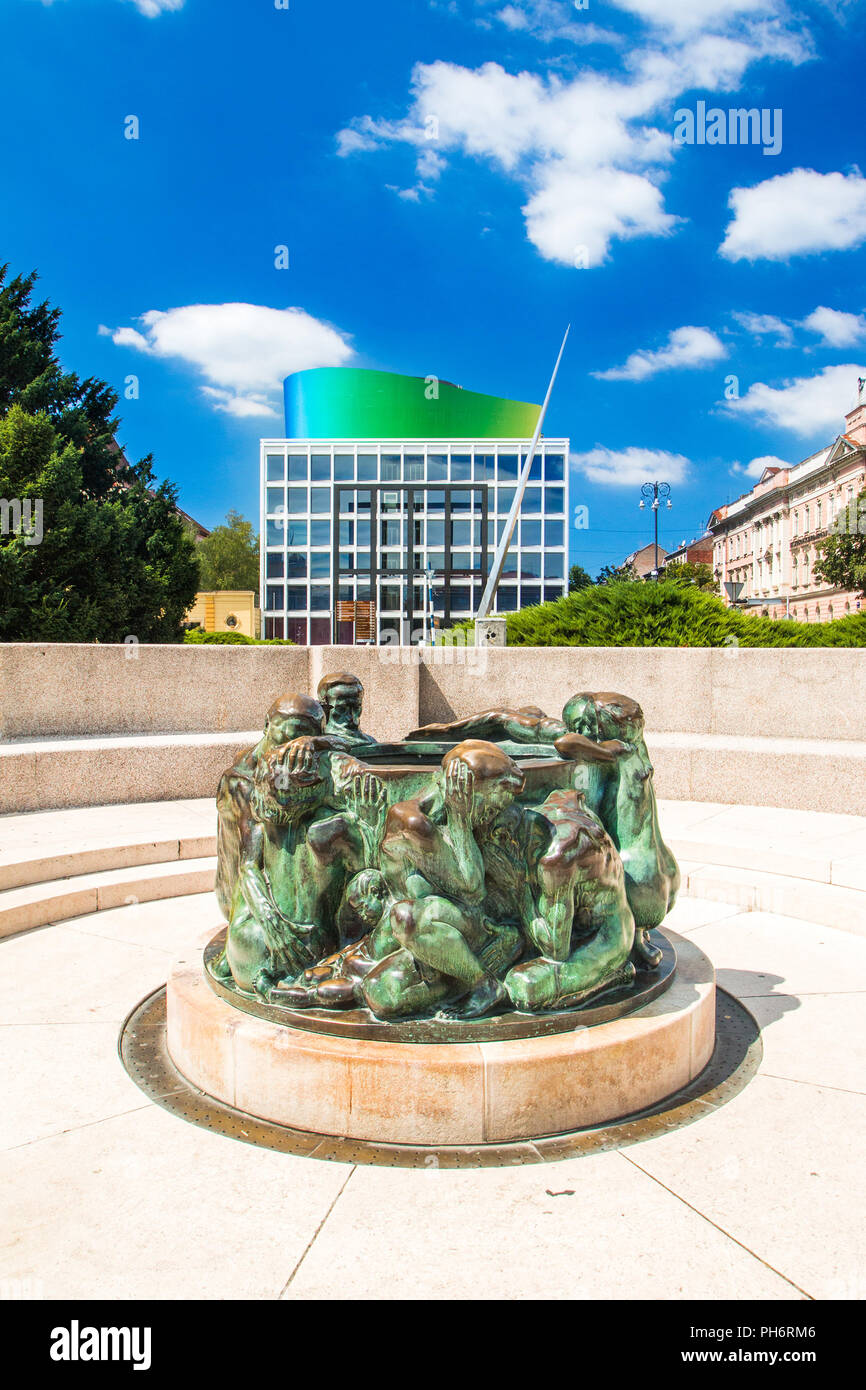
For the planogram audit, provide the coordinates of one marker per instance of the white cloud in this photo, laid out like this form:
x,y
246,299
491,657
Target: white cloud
x,y
836,328
805,406
630,467
553,19
242,351
151,8
762,325
757,467
685,347
688,15
795,214
590,154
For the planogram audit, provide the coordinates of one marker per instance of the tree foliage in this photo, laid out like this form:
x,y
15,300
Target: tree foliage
x,y
617,574
578,579
229,557
114,559
689,573
842,554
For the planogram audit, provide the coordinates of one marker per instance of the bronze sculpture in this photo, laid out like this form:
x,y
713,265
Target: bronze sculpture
x,y
483,885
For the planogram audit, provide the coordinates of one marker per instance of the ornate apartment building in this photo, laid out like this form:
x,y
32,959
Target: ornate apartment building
x,y
766,540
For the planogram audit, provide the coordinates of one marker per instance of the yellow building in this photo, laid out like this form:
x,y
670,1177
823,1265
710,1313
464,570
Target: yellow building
x,y
226,610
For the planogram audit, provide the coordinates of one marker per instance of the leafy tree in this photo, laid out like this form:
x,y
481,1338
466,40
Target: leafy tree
x,y
578,579
688,573
842,554
114,558
229,557
613,574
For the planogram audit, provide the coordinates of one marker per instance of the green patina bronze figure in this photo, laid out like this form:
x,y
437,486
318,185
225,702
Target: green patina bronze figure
x,y
493,882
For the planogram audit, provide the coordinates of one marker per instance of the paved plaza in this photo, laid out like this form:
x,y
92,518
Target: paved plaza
x,y
109,1195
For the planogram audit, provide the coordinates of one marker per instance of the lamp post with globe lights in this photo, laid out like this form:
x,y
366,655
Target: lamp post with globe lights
x,y
655,494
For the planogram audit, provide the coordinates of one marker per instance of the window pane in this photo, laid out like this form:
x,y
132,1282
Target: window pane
x,y
530,594
275,467
392,560
296,533
554,566
553,533
275,565
390,598
362,563
296,597
461,501
347,533
460,598
554,465
275,629
530,564
320,596
436,503
552,592
320,533
461,468
275,499
535,470
461,533
530,533
297,468
437,468
506,599
296,564
532,499
413,466
507,467
390,468
274,599
504,500
320,631
436,560
296,631
344,468
320,564
368,468
320,499
320,468
297,500
485,467
276,531
362,533
555,499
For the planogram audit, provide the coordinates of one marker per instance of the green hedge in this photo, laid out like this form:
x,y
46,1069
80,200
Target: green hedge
x,y
196,638
666,615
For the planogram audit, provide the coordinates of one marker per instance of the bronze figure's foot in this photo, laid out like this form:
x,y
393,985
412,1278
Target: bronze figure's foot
x,y
649,956
221,968
337,993
488,994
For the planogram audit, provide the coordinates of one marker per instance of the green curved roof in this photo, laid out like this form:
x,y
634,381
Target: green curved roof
x,y
356,403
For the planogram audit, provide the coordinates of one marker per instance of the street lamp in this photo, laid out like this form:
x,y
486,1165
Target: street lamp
x,y
654,493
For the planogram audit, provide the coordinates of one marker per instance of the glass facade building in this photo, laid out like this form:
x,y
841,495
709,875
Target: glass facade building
x,y
407,524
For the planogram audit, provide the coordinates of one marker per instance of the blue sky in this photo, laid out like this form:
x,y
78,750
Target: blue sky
x,y
455,182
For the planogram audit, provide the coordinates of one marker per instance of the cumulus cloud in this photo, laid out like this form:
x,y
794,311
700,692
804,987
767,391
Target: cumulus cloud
x,y
805,406
758,466
836,328
630,467
763,325
590,154
796,214
242,351
685,347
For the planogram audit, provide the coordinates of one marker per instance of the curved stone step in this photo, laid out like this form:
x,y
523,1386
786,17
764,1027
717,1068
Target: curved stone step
x,y
43,904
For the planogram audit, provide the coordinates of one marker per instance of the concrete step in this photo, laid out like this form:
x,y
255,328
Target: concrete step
x,y
44,904
828,904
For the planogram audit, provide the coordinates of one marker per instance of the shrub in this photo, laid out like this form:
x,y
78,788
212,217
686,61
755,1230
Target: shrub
x,y
196,638
666,615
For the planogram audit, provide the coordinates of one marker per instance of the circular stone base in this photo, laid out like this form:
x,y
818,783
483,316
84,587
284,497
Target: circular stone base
x,y
448,1093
